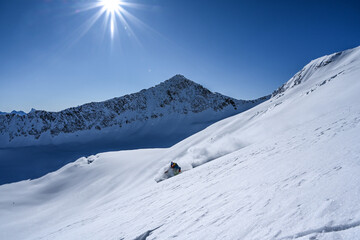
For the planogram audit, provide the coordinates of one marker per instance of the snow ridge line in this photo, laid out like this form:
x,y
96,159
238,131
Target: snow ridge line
x,y
325,229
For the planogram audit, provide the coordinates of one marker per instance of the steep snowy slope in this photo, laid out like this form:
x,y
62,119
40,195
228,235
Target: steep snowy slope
x,y
285,169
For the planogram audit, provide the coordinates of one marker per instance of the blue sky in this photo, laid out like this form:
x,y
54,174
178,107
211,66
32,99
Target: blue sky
x,y
244,49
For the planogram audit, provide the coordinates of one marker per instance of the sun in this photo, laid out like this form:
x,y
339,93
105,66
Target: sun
x,y
111,5
114,14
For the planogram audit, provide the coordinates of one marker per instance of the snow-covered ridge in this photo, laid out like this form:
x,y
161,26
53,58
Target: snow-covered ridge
x,y
335,62
175,97
20,113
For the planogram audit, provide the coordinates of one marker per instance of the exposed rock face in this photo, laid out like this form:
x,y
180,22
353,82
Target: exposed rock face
x,y
177,96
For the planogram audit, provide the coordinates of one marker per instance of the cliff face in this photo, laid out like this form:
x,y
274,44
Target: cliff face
x,y
176,97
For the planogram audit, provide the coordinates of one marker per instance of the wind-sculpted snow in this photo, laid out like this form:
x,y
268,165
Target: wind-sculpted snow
x,y
174,98
285,169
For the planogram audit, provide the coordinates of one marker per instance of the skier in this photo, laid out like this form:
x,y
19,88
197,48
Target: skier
x,y
176,169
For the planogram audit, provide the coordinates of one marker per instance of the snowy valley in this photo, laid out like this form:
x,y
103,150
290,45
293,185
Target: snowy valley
x,y
285,169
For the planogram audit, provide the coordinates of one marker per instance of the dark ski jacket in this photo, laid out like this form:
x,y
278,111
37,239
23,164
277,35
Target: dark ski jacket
x,y
176,167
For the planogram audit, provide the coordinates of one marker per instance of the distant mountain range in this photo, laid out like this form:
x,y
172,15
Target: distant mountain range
x,y
20,113
177,107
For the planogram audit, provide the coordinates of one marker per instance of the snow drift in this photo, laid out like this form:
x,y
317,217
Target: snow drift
x,y
285,169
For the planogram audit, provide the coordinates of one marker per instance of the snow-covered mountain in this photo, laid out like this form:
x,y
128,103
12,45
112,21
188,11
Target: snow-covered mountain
x,y
175,100
20,113
285,169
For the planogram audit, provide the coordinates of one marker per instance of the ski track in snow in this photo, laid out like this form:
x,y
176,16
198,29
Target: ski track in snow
x,y
325,229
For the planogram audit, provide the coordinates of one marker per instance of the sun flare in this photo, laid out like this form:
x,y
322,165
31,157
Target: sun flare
x,y
111,5
115,16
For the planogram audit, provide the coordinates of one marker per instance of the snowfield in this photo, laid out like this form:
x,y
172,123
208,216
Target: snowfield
x,y
285,169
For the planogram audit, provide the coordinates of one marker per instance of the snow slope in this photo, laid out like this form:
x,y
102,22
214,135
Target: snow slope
x,y
285,169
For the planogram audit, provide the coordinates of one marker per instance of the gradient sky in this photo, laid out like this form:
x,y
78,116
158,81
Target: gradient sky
x,y
244,49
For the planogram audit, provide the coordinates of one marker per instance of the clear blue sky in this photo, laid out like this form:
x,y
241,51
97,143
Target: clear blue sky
x,y
244,49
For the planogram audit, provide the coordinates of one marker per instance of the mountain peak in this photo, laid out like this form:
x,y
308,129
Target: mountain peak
x,y
179,82
178,77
